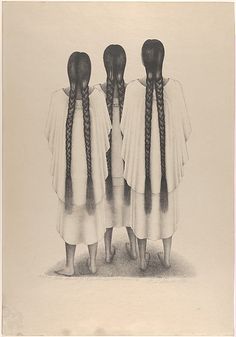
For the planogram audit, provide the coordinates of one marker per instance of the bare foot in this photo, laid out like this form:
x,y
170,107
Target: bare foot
x,y
131,252
109,258
164,263
91,266
67,271
144,264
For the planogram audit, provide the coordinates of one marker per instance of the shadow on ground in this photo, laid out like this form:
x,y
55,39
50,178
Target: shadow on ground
x,y
123,266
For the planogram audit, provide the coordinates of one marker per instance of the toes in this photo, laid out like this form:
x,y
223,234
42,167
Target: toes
x,y
65,272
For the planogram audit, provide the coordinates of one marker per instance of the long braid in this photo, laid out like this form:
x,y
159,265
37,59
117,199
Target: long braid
x,y
90,202
69,125
161,122
148,129
121,97
109,100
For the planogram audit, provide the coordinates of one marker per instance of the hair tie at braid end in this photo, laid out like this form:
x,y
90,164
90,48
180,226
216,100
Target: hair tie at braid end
x,y
164,195
148,195
68,194
109,188
126,193
90,201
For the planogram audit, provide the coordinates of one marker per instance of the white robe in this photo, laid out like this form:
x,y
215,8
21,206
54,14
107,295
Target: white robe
x,y
79,227
157,224
116,210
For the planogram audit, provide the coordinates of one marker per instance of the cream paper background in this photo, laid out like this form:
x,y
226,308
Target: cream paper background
x,y
199,42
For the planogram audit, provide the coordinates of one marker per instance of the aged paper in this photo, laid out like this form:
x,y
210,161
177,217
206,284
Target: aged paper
x,y
194,296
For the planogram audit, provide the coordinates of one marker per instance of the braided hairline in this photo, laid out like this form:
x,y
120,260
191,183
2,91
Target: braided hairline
x,y
148,124
109,96
161,121
87,128
69,125
121,95
109,102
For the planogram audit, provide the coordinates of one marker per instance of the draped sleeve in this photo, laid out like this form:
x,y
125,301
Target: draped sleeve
x,y
101,130
126,108
184,112
102,115
51,123
132,128
183,127
178,129
55,132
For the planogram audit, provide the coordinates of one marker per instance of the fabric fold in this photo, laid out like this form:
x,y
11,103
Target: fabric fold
x,y
178,130
55,132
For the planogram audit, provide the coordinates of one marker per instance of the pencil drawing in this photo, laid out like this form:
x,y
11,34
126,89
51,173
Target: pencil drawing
x,y
118,129
118,150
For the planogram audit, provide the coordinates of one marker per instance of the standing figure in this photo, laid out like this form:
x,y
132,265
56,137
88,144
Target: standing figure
x,y
156,127
77,130
114,58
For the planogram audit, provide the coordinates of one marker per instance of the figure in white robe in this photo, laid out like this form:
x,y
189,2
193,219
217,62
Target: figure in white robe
x,y
79,225
156,223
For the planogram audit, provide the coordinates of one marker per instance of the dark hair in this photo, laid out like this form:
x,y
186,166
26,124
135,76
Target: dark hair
x,y
153,55
79,71
114,58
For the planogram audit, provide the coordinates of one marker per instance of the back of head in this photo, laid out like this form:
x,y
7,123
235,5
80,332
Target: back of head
x,y
79,69
114,58
84,70
119,62
72,68
153,53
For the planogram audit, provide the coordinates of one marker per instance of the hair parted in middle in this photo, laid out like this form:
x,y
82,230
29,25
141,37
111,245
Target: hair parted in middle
x,y
114,58
153,55
79,72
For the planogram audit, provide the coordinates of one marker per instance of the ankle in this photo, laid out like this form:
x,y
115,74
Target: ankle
x,y
142,259
132,245
133,251
166,258
92,262
69,266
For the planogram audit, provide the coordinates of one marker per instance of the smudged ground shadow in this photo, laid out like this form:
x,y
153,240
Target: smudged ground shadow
x,y
123,266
